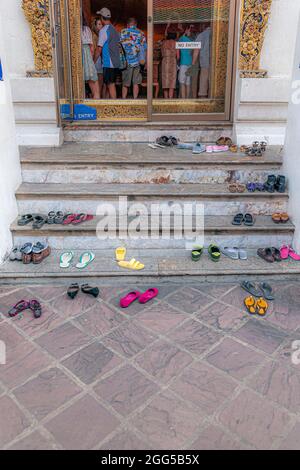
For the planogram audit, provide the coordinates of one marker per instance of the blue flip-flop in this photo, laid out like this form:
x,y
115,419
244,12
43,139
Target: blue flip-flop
x,y
85,259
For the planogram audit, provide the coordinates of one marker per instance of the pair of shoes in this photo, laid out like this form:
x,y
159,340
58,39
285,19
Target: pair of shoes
x,y
280,217
288,252
76,219
55,217
246,219
32,305
235,253
85,288
142,298
269,254
37,220
256,150
132,264
263,289
275,183
198,148
216,148
167,141
213,252
16,254
84,260
35,253
224,141
256,307
252,187
236,188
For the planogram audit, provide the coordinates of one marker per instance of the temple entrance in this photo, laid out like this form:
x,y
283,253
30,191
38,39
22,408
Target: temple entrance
x,y
144,60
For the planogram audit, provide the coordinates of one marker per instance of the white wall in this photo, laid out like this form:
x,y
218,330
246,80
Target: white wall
x,y
292,146
10,172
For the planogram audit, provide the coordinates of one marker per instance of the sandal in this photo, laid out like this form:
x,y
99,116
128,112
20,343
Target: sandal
x,y
250,288
266,290
87,289
266,254
36,308
262,307
250,304
148,295
120,254
129,299
276,218
38,222
276,254
51,218
59,217
85,259
133,264
80,218
18,308
25,220
66,259
197,253
73,290
270,184
249,220
68,219
284,217
280,185
214,252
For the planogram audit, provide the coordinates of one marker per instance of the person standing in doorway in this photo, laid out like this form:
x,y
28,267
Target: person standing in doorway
x,y
169,63
109,49
96,28
205,53
134,44
89,69
185,59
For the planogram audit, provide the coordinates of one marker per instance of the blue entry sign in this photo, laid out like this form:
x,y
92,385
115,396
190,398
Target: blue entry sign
x,y
82,112
1,73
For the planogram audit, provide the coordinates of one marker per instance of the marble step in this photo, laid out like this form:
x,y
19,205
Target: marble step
x,y
137,163
216,228
216,198
158,264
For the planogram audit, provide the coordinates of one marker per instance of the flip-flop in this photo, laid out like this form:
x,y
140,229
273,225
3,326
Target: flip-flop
x,y
238,219
284,252
148,295
266,290
59,217
38,221
87,289
80,218
232,253
197,253
36,308
261,307
250,288
250,304
73,291
129,299
51,218
66,259
25,220
68,219
132,264
85,259
120,254
214,252
18,308
249,220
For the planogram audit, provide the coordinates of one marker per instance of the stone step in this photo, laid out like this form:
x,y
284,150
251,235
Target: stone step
x,y
216,198
158,264
218,229
137,163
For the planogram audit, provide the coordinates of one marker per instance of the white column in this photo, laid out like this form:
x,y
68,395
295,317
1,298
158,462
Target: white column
x,y
10,172
292,146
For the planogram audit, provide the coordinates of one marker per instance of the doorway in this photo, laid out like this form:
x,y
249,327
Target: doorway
x,y
172,63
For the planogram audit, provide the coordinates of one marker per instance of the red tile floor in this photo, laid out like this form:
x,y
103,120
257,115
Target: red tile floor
x,y
190,370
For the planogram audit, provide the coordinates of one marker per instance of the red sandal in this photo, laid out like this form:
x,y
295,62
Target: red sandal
x,y
129,299
148,295
18,308
69,219
80,218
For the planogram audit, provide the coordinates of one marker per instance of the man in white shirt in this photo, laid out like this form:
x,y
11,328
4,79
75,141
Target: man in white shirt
x,y
204,60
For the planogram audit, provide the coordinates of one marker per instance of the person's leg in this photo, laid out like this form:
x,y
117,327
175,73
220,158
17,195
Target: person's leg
x,y
112,91
100,81
94,86
182,91
137,79
136,90
204,82
124,92
166,93
171,93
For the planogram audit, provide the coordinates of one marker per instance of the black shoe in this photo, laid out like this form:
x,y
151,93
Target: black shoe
x,y
86,289
270,184
73,291
280,184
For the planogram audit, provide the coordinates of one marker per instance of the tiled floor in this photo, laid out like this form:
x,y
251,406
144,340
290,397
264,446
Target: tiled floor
x,y
191,370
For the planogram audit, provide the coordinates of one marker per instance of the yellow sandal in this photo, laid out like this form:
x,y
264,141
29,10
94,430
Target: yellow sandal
x,y
133,264
120,254
262,307
250,304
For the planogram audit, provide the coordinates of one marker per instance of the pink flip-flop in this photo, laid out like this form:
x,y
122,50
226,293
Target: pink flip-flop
x,y
148,295
18,308
69,219
129,299
284,252
294,255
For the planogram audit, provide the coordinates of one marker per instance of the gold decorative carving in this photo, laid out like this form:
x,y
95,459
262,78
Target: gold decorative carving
x,y
220,30
37,14
188,106
254,21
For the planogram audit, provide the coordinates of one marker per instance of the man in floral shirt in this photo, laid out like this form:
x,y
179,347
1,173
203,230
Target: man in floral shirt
x,y
134,44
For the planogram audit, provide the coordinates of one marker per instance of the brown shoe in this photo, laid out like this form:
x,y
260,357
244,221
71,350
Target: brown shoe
x,y
266,254
26,258
37,258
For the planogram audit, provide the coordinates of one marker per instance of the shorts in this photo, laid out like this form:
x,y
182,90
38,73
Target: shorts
x,y
132,75
110,75
183,78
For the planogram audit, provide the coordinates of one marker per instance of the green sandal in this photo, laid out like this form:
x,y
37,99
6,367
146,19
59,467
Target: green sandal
x,y
214,252
197,253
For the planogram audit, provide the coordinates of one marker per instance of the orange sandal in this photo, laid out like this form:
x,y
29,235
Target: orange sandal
x,y
262,307
250,304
